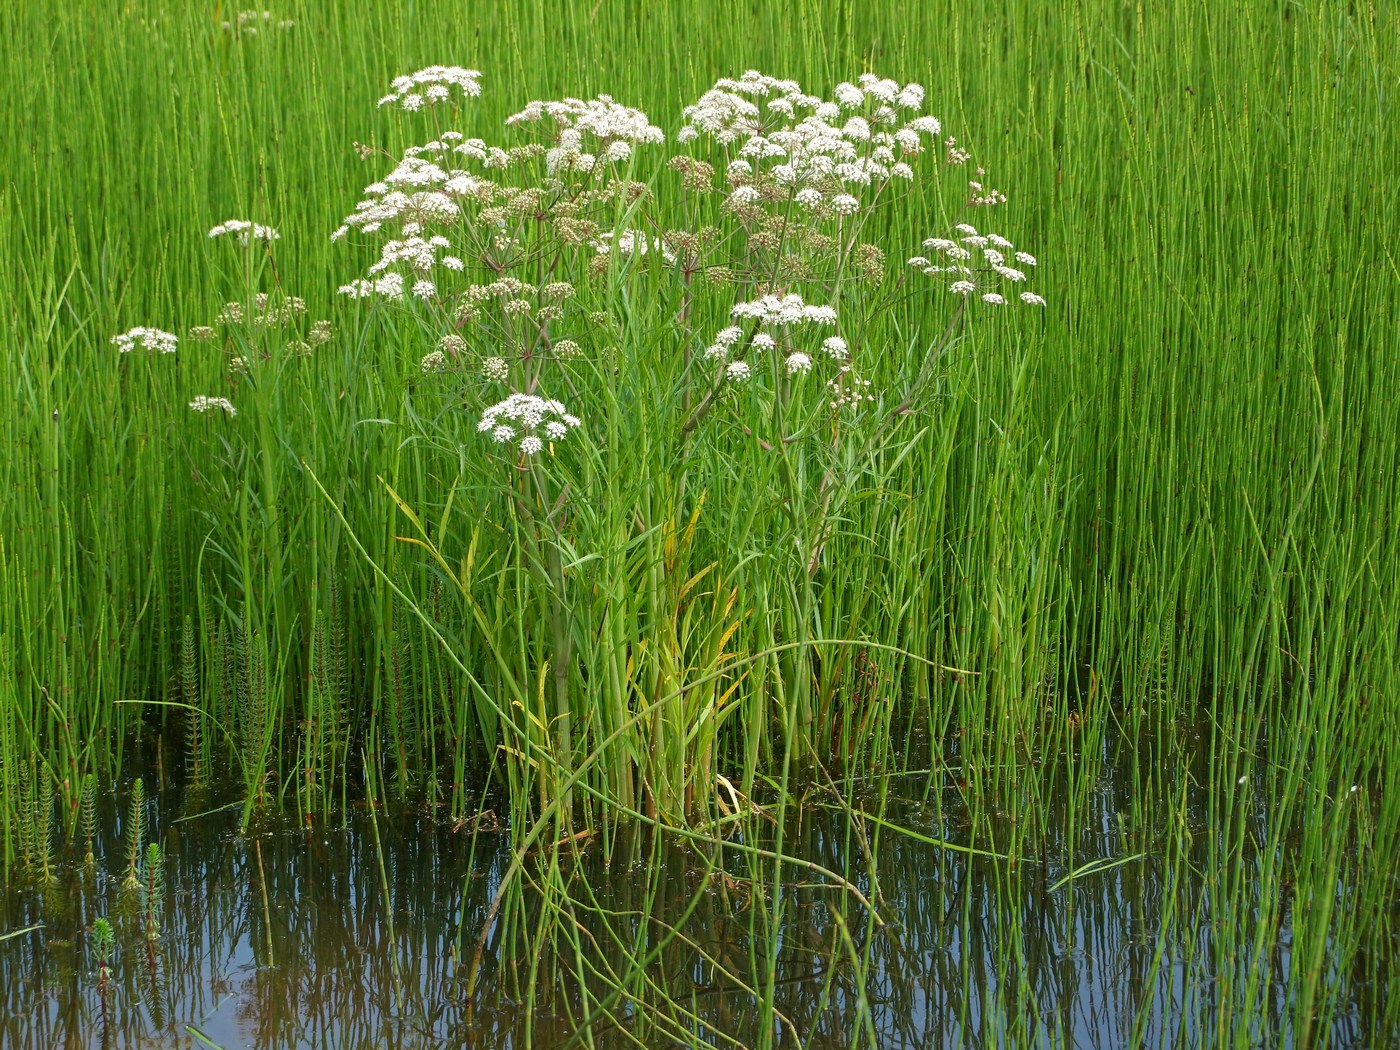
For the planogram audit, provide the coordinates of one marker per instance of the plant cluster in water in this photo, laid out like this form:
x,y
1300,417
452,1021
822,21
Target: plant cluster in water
x,y
752,260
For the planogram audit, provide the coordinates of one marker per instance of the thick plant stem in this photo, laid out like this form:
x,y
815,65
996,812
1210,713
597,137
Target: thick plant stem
x,y
560,639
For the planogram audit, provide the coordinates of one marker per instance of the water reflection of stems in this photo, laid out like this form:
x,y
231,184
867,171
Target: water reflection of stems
x,y
103,943
267,911
372,801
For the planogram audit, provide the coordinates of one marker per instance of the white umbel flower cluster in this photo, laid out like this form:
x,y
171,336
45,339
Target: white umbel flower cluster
x,y
633,242
418,255
150,339
781,313
247,23
976,264
416,193
528,421
204,404
244,232
613,128
784,310
824,154
431,86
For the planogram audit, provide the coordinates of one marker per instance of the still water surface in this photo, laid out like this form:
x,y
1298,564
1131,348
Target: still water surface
x,y
280,939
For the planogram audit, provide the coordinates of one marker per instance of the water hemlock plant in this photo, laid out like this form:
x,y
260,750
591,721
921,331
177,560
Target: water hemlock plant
x,y
633,343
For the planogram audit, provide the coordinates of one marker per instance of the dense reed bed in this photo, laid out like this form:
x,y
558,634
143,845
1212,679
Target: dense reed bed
x,y
1153,520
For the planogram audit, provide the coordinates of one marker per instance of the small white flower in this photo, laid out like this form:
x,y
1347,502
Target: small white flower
x,y
963,227
902,171
836,347
994,299
728,336
431,85
1025,258
962,287
433,362
845,204
744,195
495,369
204,404
244,232
738,371
717,352
849,96
763,341
529,413
919,261
424,289
808,197
152,339
798,362
1032,299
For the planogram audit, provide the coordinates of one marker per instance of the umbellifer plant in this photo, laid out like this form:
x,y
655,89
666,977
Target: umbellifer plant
x,y
618,328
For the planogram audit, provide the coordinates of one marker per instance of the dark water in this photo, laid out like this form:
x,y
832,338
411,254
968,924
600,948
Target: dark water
x,y
281,939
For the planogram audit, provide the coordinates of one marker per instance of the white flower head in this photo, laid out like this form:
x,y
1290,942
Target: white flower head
x,y
615,127
204,404
779,311
150,339
526,416
798,362
738,371
244,232
633,242
432,85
